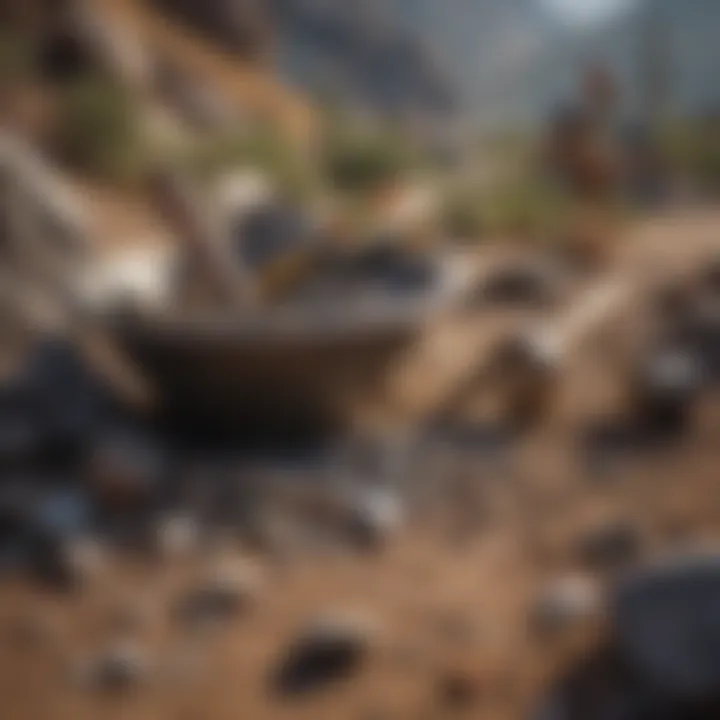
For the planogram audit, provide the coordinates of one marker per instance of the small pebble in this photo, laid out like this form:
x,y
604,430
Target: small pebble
x,y
121,669
567,603
177,536
62,514
375,514
229,589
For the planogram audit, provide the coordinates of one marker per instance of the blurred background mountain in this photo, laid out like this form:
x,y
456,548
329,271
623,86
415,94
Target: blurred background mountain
x,y
423,60
496,60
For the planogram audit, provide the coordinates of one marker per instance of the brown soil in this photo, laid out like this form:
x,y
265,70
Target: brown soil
x,y
453,567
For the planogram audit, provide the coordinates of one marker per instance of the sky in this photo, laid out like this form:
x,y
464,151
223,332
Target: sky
x,y
584,12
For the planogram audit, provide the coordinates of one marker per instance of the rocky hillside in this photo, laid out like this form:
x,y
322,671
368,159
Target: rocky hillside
x,y
370,55
497,60
492,60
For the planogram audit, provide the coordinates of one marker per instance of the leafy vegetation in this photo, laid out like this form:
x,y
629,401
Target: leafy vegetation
x,y
519,206
356,161
692,150
99,130
263,149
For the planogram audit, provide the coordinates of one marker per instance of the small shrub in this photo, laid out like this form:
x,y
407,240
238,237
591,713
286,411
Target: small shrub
x,y
519,207
264,150
526,207
462,216
98,128
692,150
364,162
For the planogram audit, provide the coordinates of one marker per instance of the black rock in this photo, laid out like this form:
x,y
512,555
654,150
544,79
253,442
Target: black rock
x,y
120,669
597,688
228,591
178,535
664,388
16,511
667,624
331,649
21,437
69,401
267,233
56,540
386,264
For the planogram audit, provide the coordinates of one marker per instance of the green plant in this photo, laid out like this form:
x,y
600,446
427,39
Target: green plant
x,y
365,161
262,149
521,206
99,128
526,206
692,150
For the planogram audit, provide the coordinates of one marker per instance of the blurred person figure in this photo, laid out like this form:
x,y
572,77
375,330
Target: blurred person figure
x,y
584,157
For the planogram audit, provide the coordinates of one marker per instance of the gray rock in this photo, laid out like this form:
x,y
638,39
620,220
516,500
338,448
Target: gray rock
x,y
567,603
61,552
374,515
177,535
120,669
553,708
271,231
664,387
667,623
67,399
673,372
63,514
330,649
229,589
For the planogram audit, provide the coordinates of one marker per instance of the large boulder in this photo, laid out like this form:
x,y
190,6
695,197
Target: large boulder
x,y
667,623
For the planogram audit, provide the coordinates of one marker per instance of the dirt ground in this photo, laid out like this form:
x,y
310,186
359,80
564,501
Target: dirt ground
x,y
452,592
